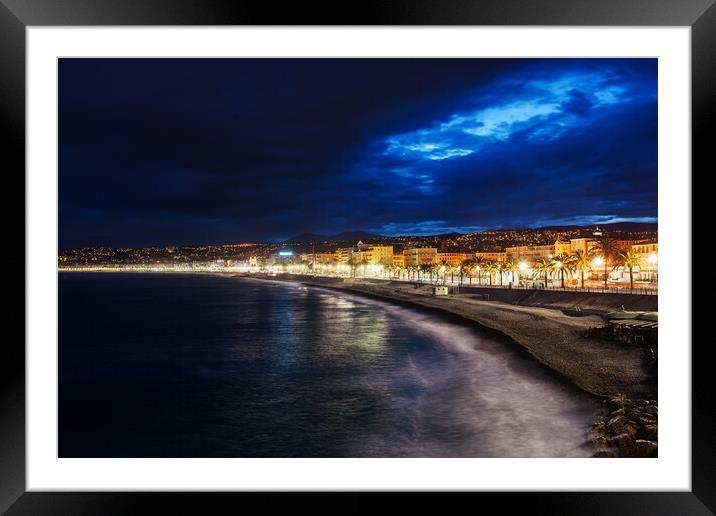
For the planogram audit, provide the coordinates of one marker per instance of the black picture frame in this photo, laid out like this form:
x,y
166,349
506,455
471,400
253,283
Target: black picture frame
x,y
17,15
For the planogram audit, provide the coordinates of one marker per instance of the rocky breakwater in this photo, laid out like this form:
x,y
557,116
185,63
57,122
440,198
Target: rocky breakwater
x,y
628,428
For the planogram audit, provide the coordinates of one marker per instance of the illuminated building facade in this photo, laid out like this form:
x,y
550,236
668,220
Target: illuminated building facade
x,y
625,245
325,258
420,256
492,257
530,253
451,258
343,254
649,260
562,247
581,244
283,257
646,249
376,254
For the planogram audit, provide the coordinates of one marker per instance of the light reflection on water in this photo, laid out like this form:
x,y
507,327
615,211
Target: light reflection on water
x,y
234,367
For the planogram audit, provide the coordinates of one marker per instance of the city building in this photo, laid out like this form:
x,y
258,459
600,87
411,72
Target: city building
x,y
452,258
343,254
649,260
492,256
581,244
625,245
398,260
325,258
376,254
562,247
420,256
529,253
646,249
283,257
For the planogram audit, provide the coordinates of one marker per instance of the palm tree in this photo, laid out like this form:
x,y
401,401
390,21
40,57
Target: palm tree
x,y
581,261
491,268
354,262
607,249
479,264
451,268
564,264
512,267
444,263
629,259
544,265
333,264
461,270
426,268
467,267
435,272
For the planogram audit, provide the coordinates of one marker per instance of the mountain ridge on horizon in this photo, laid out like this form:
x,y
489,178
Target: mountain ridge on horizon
x,y
354,236
309,237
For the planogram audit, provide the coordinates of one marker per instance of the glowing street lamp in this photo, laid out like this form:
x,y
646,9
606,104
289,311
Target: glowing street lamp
x,y
653,258
598,261
523,266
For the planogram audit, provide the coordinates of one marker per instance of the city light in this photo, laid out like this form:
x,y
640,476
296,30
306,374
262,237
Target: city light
x,y
450,260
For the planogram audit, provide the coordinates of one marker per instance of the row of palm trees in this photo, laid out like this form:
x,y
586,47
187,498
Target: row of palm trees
x,y
467,268
604,252
582,262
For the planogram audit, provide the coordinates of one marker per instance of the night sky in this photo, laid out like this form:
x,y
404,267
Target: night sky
x,y
195,151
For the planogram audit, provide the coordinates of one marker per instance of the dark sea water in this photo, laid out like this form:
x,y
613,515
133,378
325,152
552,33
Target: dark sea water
x,y
163,365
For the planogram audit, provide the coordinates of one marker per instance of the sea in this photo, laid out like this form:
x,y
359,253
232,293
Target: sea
x,y
183,365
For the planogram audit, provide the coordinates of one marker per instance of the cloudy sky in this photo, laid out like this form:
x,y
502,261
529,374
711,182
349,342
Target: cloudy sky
x,y
174,151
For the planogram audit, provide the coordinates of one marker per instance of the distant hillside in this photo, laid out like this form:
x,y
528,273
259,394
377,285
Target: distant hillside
x,y
633,226
616,226
355,236
346,236
306,238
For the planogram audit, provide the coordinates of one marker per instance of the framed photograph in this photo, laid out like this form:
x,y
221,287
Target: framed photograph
x,y
420,247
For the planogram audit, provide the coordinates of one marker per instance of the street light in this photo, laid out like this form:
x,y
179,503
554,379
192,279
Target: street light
x,y
598,261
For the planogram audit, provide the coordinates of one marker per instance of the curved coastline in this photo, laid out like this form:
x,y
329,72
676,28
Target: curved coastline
x,y
618,374
599,367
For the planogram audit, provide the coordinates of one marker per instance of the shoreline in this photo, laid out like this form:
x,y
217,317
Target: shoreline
x,y
615,373
600,367
618,374
554,336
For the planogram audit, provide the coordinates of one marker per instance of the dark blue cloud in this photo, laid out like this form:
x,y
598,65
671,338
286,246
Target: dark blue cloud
x,y
213,150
